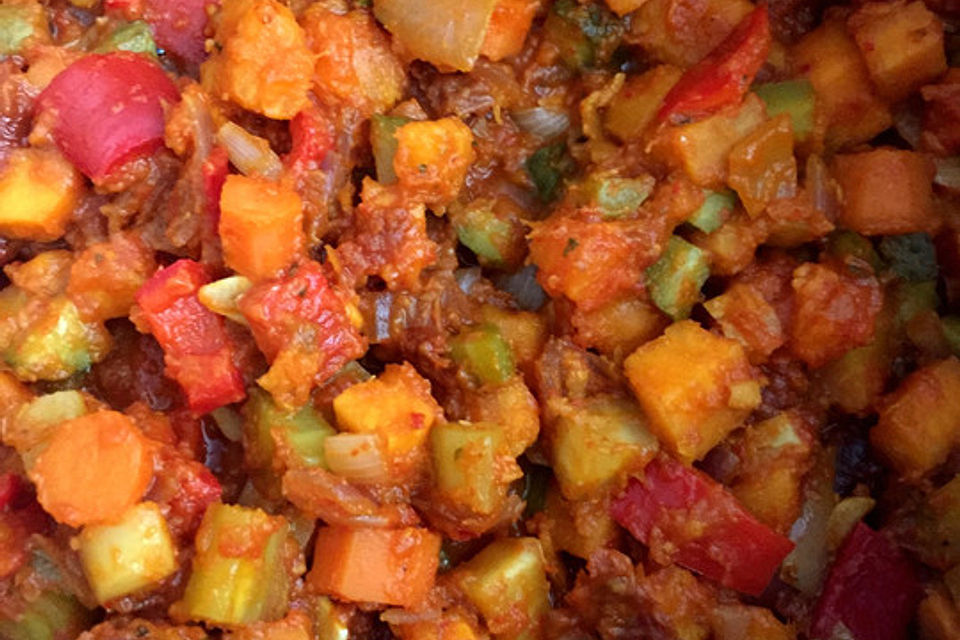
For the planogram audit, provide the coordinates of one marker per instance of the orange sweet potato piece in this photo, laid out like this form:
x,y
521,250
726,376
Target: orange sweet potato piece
x,y
105,276
432,159
509,24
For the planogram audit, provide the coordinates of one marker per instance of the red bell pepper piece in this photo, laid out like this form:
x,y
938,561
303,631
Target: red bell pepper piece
x,y
688,518
281,312
215,169
107,109
177,25
872,589
196,349
723,77
312,136
186,488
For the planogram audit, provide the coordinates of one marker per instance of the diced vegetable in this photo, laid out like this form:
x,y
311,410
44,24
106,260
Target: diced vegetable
x,y
717,206
509,24
701,148
302,326
871,590
547,168
835,310
726,544
512,407
21,22
723,77
261,227
199,358
359,457
277,439
355,64
850,245
134,37
105,277
674,281
396,405
831,60
685,37
127,555
223,296
57,344
99,119
465,464
597,443
483,232
448,33
262,63
744,315
920,422
886,192
937,532
389,566
902,45
585,34
238,574
483,354
52,615
912,256
507,583
383,139
855,381
34,424
616,197
250,154
38,191
695,387
432,159
635,106
110,476
796,98
177,25
762,167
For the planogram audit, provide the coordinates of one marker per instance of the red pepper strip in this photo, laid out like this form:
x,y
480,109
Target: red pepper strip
x,y
107,109
690,518
723,77
10,485
312,136
197,351
283,311
872,589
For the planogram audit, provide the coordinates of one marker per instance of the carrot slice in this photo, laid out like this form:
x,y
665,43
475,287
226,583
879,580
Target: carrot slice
x,y
391,566
95,468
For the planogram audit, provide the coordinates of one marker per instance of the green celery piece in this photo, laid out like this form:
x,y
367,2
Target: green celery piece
x,y
599,442
507,583
464,456
674,281
850,244
303,431
480,230
793,97
547,167
232,589
135,37
16,25
52,615
382,130
615,196
710,216
484,354
911,256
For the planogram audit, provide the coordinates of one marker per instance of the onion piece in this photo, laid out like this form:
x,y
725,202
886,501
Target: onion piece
x,y
229,422
948,173
355,456
249,153
845,517
221,296
542,122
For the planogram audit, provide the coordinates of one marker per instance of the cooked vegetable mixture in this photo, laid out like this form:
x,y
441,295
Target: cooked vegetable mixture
x,y
470,319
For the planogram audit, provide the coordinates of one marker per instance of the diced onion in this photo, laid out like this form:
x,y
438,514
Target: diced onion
x,y
948,173
249,153
355,456
542,122
221,296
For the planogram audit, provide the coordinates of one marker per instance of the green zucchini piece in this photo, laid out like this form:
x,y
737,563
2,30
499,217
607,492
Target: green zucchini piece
x,y
796,98
674,281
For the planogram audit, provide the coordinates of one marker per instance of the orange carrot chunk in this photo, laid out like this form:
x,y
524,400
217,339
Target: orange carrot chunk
x,y
390,566
95,468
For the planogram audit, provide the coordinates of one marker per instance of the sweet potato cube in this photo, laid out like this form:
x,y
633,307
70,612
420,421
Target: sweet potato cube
x,y
507,31
389,566
695,387
682,33
886,192
432,159
902,44
744,315
636,104
920,421
397,405
38,190
762,167
829,57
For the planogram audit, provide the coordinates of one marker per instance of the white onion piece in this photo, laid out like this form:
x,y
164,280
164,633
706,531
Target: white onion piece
x,y
542,122
355,456
249,153
948,173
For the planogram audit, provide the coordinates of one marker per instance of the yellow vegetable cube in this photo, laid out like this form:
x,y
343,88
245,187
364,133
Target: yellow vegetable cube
x,y
636,104
131,554
38,190
432,159
396,405
695,387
